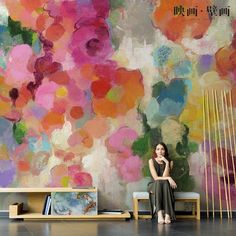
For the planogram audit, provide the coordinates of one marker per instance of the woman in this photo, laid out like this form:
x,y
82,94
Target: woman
x,y
161,187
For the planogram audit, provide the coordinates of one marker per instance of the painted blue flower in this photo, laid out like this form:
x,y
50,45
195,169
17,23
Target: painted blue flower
x,y
161,55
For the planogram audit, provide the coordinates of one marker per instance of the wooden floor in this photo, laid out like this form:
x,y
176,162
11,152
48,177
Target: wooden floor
x,y
204,227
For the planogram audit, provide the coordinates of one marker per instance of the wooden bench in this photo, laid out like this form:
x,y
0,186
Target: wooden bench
x,y
190,197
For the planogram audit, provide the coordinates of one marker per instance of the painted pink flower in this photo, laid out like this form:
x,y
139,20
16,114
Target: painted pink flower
x,y
45,95
68,9
76,95
102,7
122,140
91,41
89,9
83,179
130,168
17,71
74,169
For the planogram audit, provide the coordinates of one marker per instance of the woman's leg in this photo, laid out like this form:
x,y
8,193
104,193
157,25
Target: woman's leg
x,y
159,201
168,202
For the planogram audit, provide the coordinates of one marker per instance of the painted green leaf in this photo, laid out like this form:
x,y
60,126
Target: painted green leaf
x,y
15,28
157,88
193,147
117,4
19,131
141,145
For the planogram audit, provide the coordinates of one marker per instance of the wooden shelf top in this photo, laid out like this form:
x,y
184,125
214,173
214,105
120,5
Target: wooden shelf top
x,y
124,215
45,190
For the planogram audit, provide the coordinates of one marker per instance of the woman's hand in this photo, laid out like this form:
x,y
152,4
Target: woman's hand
x,y
162,158
172,183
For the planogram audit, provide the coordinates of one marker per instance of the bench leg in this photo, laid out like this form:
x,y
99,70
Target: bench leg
x,y
135,210
194,206
198,209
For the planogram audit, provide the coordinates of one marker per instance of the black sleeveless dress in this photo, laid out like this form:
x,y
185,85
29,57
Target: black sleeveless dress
x,y
162,195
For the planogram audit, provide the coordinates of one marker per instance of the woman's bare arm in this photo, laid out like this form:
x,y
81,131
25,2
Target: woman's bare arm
x,y
168,168
156,177
154,173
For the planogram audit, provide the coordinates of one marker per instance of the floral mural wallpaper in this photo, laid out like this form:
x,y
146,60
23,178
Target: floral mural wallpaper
x,y
88,87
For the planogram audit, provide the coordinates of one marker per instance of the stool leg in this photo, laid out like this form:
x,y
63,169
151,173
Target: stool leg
x,y
198,209
135,210
194,204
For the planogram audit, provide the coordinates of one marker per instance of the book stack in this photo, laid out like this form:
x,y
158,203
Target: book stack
x,y
111,212
47,205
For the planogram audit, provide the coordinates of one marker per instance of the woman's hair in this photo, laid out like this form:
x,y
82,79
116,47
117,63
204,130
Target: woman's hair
x,y
165,148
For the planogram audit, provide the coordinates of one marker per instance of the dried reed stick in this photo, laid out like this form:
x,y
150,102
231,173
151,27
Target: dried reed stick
x,y
210,152
217,152
226,156
204,152
230,145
